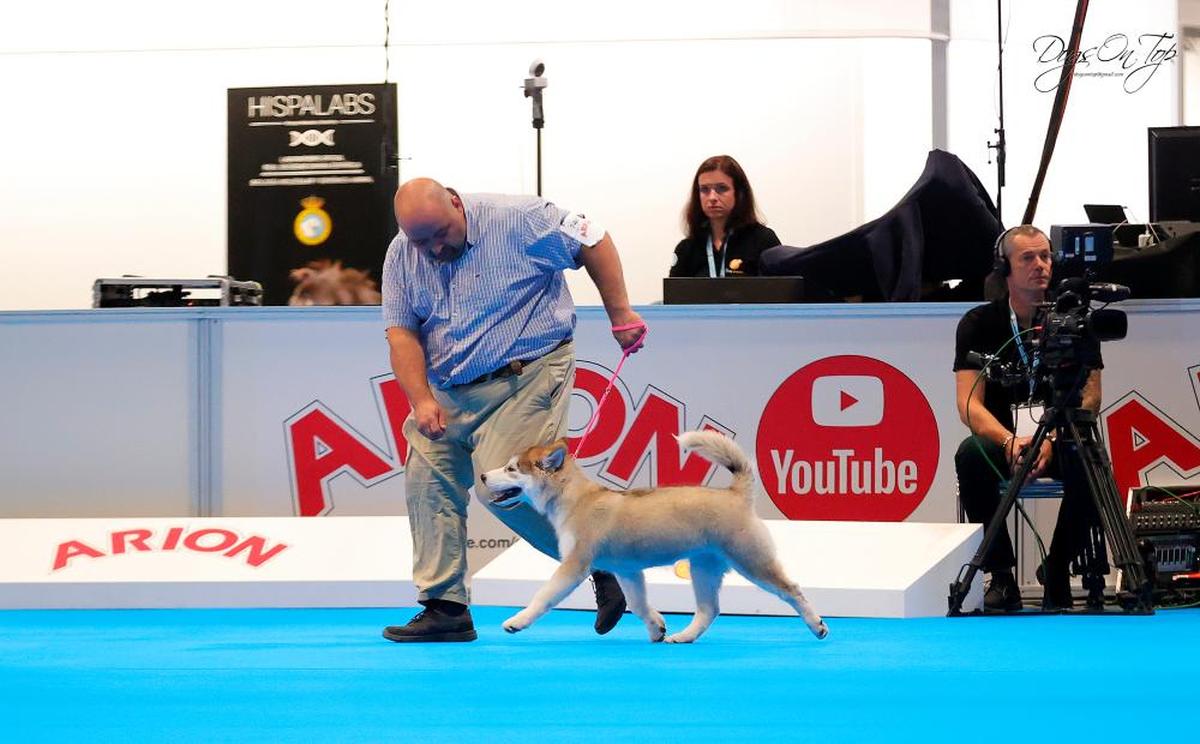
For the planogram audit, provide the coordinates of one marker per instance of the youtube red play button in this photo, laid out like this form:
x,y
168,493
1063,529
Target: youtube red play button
x,y
847,400
847,437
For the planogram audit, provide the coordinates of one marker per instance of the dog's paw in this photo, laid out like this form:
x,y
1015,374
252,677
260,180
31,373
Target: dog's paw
x,y
679,638
656,624
515,624
822,631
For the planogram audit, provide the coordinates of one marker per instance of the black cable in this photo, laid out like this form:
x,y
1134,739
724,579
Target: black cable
x,y
390,158
387,38
1001,39
1178,497
1057,110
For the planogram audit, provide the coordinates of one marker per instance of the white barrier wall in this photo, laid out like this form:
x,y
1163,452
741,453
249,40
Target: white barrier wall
x,y
197,562
100,416
845,569
293,411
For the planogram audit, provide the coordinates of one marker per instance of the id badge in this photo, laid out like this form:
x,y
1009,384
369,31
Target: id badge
x,y
1027,417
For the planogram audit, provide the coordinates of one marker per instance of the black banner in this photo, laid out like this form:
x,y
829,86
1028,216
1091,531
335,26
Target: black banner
x,y
311,177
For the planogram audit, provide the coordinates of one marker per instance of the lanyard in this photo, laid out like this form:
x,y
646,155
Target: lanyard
x,y
712,268
1012,319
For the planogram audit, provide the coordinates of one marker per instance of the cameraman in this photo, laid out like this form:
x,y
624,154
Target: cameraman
x,y
1017,285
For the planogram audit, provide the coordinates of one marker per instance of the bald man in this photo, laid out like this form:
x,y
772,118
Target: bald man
x,y
480,326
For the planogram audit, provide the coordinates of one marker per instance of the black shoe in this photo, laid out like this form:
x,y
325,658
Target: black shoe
x,y
610,601
1094,583
1002,593
1057,581
440,621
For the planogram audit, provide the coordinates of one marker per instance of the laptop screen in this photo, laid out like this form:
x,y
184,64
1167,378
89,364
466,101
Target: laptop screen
x,y
744,289
1105,214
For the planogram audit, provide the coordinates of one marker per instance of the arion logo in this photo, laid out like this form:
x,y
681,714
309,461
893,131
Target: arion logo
x,y
254,549
847,437
629,436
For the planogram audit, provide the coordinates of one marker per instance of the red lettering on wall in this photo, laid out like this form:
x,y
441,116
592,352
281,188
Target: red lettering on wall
x,y
258,553
130,538
72,548
396,409
652,434
611,419
1141,437
210,540
322,448
225,539
173,536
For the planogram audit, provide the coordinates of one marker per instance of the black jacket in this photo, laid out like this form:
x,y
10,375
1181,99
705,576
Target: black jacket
x,y
745,243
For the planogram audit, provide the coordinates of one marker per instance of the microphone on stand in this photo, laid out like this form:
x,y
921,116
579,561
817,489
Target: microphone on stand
x,y
534,85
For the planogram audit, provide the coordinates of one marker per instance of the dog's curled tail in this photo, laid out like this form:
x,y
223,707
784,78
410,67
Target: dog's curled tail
x,y
723,451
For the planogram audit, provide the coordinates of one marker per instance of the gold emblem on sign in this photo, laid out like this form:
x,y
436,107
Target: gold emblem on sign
x,y
313,225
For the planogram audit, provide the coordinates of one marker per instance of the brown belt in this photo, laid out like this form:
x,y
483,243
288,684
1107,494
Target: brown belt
x,y
514,367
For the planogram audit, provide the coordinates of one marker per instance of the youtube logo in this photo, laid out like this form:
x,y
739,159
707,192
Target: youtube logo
x,y
847,400
847,437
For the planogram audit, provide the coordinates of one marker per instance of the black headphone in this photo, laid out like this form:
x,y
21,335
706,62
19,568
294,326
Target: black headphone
x,y
1000,265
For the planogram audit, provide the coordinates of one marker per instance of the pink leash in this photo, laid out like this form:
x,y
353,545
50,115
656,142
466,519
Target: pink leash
x,y
608,388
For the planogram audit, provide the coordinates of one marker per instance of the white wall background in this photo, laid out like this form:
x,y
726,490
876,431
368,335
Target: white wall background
x,y
1101,154
114,115
1189,82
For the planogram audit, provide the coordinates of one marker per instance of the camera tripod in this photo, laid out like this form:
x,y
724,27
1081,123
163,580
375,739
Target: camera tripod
x,y
1075,426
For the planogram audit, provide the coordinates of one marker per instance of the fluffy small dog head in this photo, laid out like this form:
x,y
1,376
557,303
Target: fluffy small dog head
x,y
329,283
531,477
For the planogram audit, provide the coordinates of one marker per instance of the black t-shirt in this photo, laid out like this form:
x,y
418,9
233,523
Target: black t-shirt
x,y
746,243
985,329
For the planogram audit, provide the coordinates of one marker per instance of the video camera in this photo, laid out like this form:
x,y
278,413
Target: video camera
x,y
1071,330
1067,332
1007,374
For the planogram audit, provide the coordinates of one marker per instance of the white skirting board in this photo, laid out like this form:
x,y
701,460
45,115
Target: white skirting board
x,y
845,569
206,562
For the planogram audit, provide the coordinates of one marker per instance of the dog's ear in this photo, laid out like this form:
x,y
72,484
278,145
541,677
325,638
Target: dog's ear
x,y
553,460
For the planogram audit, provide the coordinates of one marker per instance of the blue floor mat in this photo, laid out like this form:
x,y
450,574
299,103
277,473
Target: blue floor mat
x,y
327,675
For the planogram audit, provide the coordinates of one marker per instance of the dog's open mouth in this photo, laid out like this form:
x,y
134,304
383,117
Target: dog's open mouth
x,y
506,499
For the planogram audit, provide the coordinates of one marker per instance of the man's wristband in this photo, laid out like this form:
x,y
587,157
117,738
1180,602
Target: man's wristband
x,y
1007,440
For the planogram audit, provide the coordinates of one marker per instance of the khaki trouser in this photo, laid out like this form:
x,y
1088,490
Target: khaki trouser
x,y
487,424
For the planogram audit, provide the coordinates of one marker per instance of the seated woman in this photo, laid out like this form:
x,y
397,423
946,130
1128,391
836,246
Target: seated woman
x,y
724,233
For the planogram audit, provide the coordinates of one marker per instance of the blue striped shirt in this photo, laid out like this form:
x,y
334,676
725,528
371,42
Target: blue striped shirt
x,y
504,298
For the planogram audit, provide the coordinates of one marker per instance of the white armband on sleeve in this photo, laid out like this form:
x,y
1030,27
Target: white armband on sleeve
x,y
577,227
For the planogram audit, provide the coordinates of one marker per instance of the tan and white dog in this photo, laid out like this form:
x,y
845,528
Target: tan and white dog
x,y
624,532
